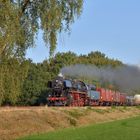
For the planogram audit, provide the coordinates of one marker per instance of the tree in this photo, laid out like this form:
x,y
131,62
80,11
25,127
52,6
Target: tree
x,y
35,84
20,20
96,54
12,75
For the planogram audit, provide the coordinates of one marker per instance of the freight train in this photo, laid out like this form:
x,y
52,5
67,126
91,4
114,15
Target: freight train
x,y
67,92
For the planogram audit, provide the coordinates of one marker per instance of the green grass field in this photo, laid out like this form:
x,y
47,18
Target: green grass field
x,y
128,129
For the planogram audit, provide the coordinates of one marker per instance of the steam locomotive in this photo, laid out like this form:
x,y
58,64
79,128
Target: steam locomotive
x,y
67,92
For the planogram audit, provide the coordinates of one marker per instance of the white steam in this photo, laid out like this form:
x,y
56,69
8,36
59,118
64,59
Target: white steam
x,y
127,78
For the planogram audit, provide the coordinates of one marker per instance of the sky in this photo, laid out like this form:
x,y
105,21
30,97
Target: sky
x,y
109,26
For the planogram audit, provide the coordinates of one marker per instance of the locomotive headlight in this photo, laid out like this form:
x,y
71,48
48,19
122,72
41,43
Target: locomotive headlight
x,y
101,97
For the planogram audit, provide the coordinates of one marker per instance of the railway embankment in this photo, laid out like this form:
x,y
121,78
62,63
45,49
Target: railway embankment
x,y
21,121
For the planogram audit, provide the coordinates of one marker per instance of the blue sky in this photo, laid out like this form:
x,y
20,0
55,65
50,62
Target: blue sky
x,y
109,26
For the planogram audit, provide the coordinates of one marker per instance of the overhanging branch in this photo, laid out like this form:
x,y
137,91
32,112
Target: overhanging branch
x,y
25,4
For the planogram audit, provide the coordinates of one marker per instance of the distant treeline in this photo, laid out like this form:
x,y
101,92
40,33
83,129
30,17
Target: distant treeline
x,y
23,82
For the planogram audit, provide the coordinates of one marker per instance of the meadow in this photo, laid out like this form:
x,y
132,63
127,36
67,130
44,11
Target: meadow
x,y
127,129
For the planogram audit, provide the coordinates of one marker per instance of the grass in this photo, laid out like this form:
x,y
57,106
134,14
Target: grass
x,y
128,129
75,113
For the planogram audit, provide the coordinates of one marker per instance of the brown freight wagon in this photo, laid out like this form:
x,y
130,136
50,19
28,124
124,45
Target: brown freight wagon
x,y
109,96
116,98
102,96
122,99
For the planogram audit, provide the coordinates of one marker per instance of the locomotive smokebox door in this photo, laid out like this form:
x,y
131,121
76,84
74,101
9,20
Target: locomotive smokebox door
x,y
50,85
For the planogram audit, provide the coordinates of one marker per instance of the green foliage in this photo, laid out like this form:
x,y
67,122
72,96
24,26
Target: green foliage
x,y
12,38
99,59
20,21
11,80
35,85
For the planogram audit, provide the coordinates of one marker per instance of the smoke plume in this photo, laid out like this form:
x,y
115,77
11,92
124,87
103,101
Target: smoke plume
x,y
126,78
